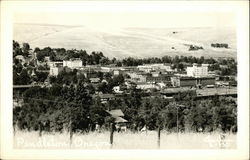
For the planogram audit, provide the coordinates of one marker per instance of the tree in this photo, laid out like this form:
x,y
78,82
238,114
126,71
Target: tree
x,y
24,77
78,106
26,49
158,113
41,76
16,49
103,87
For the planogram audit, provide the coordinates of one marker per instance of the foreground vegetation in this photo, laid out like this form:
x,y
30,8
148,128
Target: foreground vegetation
x,y
125,140
73,107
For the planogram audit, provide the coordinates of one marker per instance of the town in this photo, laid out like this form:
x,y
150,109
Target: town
x,y
58,89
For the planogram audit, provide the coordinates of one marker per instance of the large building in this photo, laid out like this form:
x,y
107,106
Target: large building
x,y
192,81
72,63
197,71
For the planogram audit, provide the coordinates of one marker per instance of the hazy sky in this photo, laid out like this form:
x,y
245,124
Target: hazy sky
x,y
130,19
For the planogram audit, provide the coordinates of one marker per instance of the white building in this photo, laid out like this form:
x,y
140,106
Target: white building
x,y
116,72
54,71
197,71
73,63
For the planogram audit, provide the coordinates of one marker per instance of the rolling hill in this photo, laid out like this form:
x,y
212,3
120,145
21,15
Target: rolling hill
x,y
125,42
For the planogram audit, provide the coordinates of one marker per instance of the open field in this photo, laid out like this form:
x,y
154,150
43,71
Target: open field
x,y
125,140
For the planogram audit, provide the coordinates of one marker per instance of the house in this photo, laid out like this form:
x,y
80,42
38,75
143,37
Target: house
x,y
117,72
46,59
94,80
72,63
156,74
129,84
106,97
120,122
20,58
117,89
55,70
116,113
162,85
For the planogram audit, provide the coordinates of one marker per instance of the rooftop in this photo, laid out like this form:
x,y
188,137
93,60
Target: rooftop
x,y
116,113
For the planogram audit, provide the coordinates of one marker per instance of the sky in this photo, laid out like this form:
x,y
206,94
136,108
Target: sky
x,y
130,19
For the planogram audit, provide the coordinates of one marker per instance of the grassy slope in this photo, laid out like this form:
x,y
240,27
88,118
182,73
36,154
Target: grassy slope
x,y
136,42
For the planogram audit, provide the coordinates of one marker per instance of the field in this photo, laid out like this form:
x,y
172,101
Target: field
x,y
125,140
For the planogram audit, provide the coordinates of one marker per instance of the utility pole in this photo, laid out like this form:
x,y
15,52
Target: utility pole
x,y
112,129
177,116
159,137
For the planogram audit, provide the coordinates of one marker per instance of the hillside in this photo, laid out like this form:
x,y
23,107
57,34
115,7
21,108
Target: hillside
x,y
124,42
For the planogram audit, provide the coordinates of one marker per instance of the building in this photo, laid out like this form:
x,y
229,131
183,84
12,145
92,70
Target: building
x,y
55,63
72,63
94,80
145,68
117,72
106,69
197,71
138,77
46,59
188,82
20,58
55,70
117,89
145,86
106,97
154,67
204,81
160,79
177,81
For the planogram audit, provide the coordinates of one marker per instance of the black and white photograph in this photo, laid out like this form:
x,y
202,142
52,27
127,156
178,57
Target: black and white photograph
x,y
125,77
